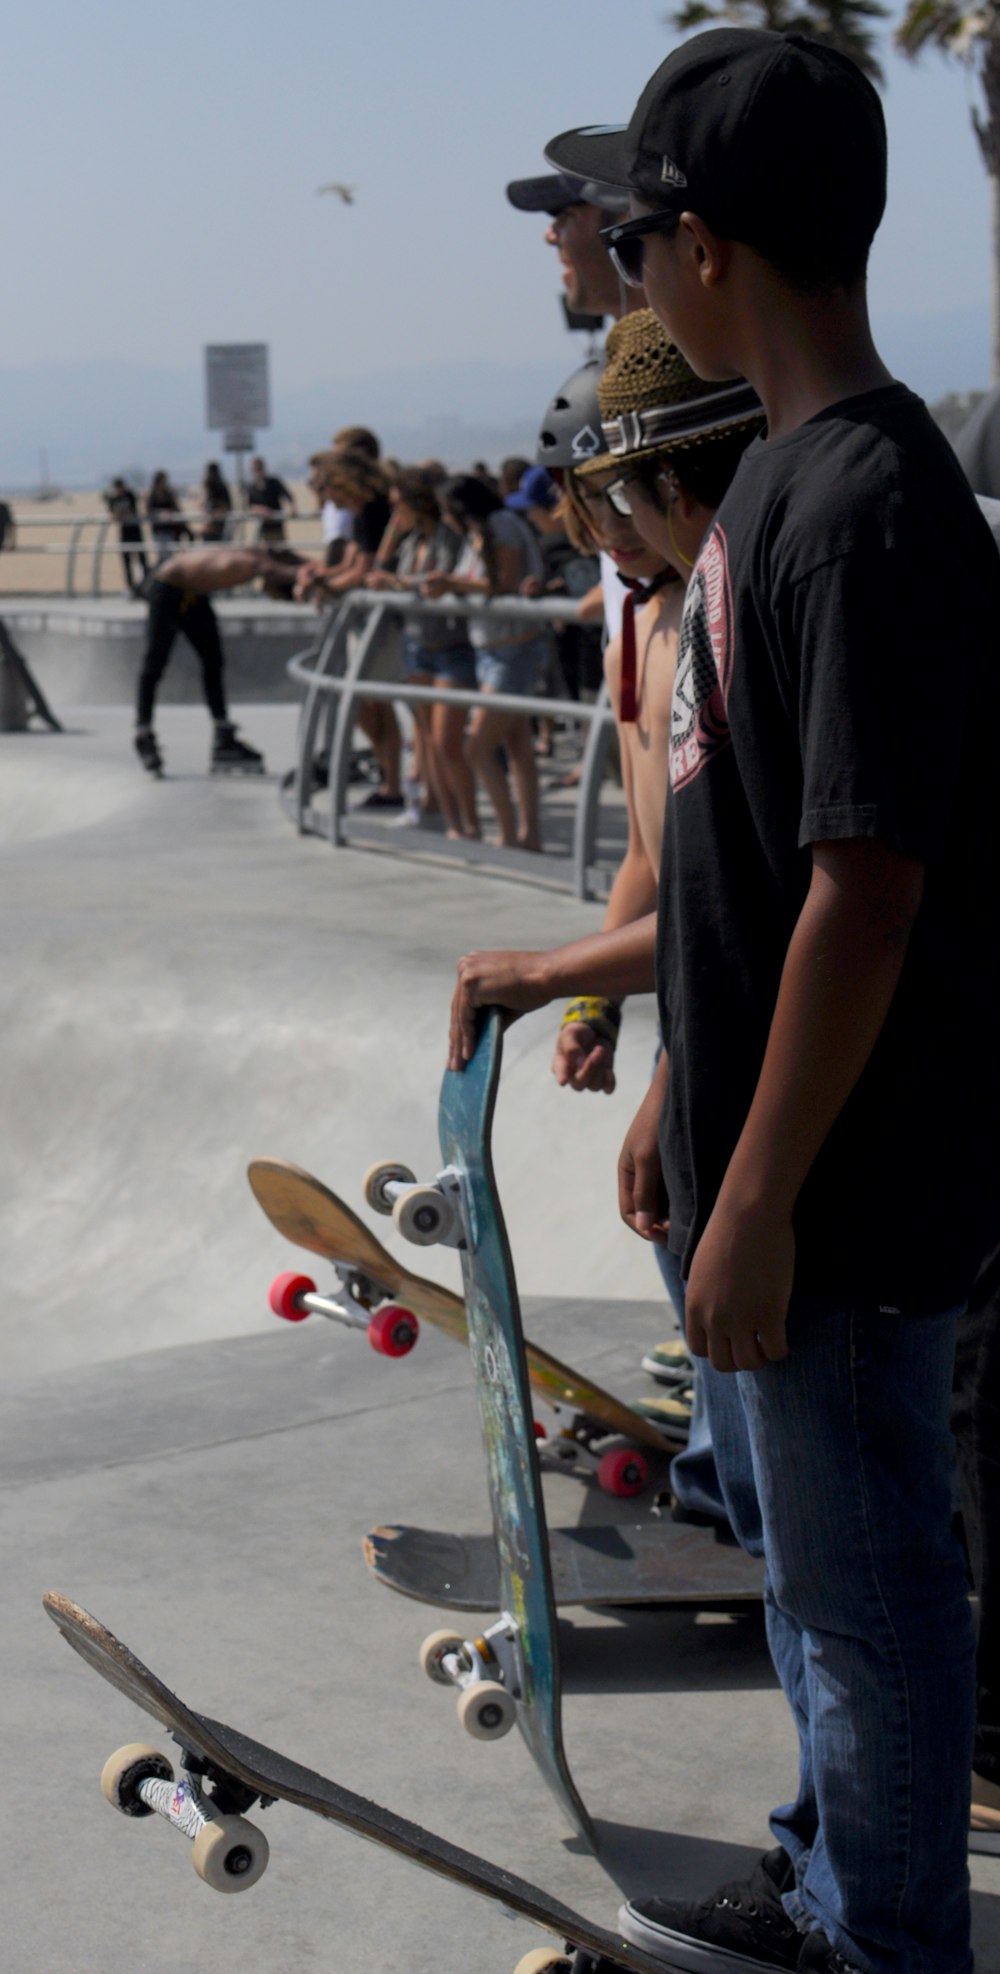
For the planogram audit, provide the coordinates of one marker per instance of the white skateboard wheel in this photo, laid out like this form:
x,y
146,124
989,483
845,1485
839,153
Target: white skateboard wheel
x,y
378,1177
423,1216
124,1770
543,1960
486,1710
230,1854
432,1652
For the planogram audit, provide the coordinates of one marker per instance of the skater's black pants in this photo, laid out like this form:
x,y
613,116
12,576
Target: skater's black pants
x,y
131,532
172,610
975,1421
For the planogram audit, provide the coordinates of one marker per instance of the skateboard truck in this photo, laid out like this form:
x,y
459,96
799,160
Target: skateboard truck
x,y
392,1330
229,1853
621,1471
428,1215
486,1672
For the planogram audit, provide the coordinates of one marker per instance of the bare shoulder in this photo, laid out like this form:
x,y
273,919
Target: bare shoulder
x,y
203,570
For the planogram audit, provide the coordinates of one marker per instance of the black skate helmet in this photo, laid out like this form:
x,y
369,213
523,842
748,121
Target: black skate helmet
x,y
571,428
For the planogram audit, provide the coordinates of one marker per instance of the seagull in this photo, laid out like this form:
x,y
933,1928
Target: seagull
x,y
345,192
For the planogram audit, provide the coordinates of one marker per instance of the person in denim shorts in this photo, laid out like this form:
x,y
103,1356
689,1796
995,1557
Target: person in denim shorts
x,y
435,651
499,552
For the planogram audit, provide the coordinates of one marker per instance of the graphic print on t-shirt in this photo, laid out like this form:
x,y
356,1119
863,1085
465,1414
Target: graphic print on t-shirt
x,y
698,724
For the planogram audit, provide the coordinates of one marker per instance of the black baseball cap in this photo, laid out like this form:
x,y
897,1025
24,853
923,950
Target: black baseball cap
x,y
558,189
761,134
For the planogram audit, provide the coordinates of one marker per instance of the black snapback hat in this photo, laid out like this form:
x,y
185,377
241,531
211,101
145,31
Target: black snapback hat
x,y
759,133
558,189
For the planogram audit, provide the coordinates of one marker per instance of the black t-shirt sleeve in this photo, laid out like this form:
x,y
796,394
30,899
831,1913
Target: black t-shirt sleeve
x,y
882,679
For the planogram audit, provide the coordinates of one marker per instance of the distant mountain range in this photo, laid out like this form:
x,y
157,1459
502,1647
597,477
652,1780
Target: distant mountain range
x,y
110,416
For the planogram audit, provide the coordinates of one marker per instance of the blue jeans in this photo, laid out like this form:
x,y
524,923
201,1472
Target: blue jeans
x,y
694,1474
868,1624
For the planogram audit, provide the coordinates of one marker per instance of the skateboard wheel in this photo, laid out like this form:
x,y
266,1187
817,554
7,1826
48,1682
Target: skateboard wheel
x,y
284,1296
378,1177
623,1472
124,1770
486,1710
393,1331
543,1960
230,1854
423,1216
432,1652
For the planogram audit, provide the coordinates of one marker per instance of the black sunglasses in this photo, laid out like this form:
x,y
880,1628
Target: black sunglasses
x,y
624,242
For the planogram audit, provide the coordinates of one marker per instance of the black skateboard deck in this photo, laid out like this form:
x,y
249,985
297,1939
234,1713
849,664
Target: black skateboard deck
x,y
225,1773
657,1562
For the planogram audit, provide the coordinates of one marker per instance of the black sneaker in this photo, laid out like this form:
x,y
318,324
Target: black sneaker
x,y
231,755
819,1957
744,1929
148,751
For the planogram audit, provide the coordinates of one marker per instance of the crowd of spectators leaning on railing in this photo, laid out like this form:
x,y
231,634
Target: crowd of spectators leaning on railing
x,y
423,531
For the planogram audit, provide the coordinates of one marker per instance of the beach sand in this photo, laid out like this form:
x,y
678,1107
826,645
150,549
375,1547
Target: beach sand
x,y
37,566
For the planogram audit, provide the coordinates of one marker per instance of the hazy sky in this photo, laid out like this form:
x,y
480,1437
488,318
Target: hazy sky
x,y
161,164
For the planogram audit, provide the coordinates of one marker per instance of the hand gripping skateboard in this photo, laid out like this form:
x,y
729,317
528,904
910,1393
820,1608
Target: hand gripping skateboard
x,y
377,1293
225,1773
512,1670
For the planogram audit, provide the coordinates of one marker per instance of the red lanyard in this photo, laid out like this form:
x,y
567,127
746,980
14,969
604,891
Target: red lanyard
x,y
635,592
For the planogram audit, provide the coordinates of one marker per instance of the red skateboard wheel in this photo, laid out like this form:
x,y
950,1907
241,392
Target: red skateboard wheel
x,y
285,1293
393,1331
623,1472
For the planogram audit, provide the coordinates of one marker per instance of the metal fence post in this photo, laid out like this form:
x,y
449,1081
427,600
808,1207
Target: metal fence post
x,y
340,750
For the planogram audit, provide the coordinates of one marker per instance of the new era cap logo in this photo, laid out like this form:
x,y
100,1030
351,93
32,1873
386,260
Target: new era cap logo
x,y
671,174
585,443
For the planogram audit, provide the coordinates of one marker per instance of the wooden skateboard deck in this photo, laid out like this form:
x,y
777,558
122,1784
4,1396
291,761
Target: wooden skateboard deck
x,y
227,1770
307,1213
496,1342
658,1562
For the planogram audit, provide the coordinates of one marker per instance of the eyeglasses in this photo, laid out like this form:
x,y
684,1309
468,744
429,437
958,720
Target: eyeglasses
x,y
624,242
614,494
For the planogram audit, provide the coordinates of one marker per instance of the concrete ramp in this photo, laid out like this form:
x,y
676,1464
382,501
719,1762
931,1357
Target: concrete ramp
x,y
186,984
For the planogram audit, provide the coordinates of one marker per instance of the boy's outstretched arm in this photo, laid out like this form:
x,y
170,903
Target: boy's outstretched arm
x,y
841,971
611,963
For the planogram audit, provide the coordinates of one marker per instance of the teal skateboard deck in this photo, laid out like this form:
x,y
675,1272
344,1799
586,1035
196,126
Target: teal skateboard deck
x,y
496,1341
225,1773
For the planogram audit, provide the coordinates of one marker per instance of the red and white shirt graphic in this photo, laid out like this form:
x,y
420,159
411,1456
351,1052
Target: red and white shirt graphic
x,y
699,726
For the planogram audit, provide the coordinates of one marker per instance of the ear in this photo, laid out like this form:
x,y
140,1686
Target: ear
x,y
687,506
711,254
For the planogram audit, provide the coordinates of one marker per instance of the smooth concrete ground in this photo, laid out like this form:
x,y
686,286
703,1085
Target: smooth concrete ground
x,y
187,984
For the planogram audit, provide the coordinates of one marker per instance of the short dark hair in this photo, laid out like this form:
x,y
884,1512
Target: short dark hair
x,y
705,470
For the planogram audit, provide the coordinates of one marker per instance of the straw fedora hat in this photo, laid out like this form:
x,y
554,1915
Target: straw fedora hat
x,y
652,402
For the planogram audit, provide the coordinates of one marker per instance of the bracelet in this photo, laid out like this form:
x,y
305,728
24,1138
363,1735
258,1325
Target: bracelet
x,y
602,1015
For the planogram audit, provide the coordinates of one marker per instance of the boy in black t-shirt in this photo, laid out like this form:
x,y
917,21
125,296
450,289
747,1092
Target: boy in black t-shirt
x,y
828,965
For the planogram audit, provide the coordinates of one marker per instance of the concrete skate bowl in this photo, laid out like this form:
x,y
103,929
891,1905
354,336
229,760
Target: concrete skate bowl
x,y
187,985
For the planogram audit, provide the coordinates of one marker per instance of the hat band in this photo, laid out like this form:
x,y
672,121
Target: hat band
x,y
637,431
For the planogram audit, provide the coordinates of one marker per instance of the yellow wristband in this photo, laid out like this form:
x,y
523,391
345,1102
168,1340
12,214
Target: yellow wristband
x,y
602,1015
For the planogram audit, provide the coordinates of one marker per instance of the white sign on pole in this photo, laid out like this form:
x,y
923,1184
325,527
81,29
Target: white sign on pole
x,y
237,439
236,386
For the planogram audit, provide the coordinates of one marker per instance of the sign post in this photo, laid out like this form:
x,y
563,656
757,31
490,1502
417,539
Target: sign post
x,y
237,396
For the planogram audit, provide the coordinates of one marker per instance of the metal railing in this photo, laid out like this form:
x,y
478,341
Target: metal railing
x,y
337,680
105,542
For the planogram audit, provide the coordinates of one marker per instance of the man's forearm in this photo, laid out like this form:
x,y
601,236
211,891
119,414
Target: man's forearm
x,y
613,963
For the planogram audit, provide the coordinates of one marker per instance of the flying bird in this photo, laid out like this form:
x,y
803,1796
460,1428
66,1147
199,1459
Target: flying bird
x,y
345,192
